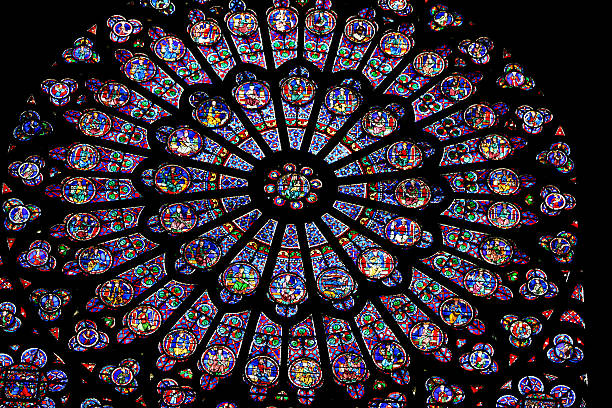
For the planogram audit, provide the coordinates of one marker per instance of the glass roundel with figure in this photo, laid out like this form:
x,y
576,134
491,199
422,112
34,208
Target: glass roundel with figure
x,y
287,203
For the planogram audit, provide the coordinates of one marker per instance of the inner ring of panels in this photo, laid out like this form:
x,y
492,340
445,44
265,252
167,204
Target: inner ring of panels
x,y
279,202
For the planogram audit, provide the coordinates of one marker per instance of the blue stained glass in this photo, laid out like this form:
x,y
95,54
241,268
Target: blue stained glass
x,y
291,203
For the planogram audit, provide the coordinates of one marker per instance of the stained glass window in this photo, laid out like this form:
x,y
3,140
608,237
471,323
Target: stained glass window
x,y
281,203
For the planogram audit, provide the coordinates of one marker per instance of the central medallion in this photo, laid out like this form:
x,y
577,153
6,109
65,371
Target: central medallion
x,y
293,186
288,183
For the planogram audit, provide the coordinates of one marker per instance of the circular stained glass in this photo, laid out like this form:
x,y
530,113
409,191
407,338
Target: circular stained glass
x,y
521,329
504,215
121,28
413,193
60,90
456,312
83,157
201,253
240,278
429,64
205,33
426,336
403,231
479,116
87,337
342,101
335,284
555,201
261,371
242,23
115,292
404,155
114,95
78,190
50,303
389,356
122,376
320,22
287,289
185,142
289,204
37,257
480,360
376,263
480,282
305,373
282,19
218,360
360,30
19,214
495,147
379,123
178,218
95,260
349,368
297,90
252,95
213,113
293,186
139,69
179,344
503,181
442,394
83,226
172,179
143,320
95,123
456,87
395,45
169,49
496,251
28,171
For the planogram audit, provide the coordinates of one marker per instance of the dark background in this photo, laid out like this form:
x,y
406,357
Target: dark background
x,y
556,43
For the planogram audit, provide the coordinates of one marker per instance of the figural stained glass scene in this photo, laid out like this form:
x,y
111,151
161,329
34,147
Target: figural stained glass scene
x,y
289,203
